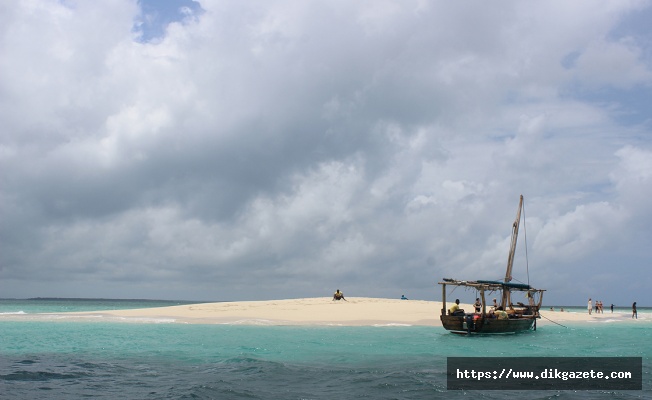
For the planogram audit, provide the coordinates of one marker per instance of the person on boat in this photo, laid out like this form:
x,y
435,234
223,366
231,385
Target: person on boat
x,y
455,309
403,297
501,314
530,301
495,306
477,305
590,306
338,295
634,312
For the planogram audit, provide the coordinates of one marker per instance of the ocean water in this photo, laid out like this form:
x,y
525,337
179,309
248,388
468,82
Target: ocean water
x,y
56,305
69,359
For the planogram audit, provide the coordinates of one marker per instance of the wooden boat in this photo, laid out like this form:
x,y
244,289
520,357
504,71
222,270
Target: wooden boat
x,y
505,317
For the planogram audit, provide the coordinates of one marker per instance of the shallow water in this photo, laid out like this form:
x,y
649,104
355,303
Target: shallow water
x,y
62,359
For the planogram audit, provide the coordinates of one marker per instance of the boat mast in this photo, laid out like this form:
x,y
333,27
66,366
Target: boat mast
x,y
506,301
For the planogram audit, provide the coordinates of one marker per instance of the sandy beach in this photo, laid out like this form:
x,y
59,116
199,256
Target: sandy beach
x,y
357,311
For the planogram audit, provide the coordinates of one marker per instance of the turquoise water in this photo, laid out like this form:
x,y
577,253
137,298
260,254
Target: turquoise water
x,y
44,305
63,359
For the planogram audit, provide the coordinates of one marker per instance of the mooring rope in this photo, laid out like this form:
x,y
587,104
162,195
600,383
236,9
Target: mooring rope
x,y
543,316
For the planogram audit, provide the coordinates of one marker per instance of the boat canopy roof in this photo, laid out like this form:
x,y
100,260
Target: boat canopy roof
x,y
491,285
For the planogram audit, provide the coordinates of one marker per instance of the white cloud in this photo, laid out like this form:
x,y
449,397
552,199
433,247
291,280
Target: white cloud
x,y
586,229
618,64
632,178
257,147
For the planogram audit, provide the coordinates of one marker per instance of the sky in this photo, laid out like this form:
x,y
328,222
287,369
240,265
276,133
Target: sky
x,y
253,150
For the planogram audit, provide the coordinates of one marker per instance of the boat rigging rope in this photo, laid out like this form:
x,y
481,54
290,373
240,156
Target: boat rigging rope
x,y
543,316
527,263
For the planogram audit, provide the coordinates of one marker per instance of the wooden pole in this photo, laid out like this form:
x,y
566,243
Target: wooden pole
x,y
484,305
443,299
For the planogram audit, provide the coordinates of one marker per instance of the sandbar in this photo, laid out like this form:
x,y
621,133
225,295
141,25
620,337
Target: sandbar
x,y
357,311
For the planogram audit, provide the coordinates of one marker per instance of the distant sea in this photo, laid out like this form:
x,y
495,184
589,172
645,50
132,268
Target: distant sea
x,y
61,358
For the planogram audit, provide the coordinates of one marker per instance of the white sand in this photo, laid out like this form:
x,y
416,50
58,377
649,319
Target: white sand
x,y
357,311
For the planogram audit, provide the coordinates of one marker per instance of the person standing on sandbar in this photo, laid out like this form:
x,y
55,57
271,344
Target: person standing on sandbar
x,y
590,306
634,312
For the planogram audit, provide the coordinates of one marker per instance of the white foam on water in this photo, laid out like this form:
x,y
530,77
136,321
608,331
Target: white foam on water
x,y
144,320
250,322
87,317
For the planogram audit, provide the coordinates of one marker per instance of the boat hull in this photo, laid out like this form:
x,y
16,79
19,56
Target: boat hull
x,y
467,325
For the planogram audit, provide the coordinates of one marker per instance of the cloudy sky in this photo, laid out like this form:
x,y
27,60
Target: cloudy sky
x,y
245,150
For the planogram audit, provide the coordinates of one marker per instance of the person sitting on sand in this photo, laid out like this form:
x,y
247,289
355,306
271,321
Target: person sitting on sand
x,y
403,297
455,309
338,295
